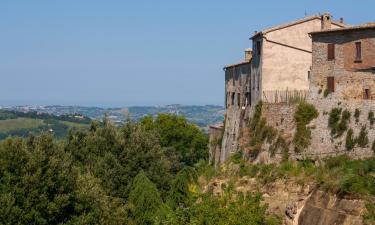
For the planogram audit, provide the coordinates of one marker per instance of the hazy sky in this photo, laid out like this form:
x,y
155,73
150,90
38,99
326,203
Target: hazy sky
x,y
119,53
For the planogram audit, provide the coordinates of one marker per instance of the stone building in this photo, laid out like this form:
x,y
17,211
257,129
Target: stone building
x,y
343,63
282,58
276,71
237,101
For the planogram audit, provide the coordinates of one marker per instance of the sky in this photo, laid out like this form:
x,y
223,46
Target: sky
x,y
140,52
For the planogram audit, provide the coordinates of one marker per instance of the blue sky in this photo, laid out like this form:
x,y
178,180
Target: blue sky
x,y
120,53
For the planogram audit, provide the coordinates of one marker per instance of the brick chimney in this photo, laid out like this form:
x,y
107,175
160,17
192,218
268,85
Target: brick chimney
x,y
248,54
326,21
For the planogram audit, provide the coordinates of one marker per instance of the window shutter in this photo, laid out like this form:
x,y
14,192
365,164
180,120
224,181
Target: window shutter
x,y
331,51
358,48
331,84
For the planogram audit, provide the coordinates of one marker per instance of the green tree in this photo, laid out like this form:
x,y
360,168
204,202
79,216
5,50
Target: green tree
x,y
145,198
174,131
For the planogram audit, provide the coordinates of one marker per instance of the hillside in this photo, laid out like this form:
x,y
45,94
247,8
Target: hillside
x,y
13,123
200,115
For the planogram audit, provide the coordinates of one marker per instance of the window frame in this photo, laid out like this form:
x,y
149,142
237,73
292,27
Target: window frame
x,y
358,51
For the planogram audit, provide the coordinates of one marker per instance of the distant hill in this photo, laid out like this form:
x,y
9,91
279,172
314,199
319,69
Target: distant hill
x,y
200,115
16,123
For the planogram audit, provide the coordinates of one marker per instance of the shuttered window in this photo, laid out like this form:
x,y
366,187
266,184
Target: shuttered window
x,y
358,51
330,84
331,51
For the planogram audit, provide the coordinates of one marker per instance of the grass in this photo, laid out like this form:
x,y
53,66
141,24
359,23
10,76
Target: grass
x,y
19,123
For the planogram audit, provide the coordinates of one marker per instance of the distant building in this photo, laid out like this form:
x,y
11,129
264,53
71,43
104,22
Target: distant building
x,y
343,63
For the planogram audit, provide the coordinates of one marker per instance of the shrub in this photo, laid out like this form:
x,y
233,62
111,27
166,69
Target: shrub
x,y
350,141
371,117
357,113
303,116
338,121
362,138
326,93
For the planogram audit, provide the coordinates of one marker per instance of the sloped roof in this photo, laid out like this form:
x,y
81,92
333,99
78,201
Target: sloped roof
x,y
237,64
303,20
350,28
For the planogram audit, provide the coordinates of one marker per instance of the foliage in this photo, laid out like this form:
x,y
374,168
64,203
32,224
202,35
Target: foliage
x,y
338,121
362,139
369,217
145,198
174,131
325,93
303,116
371,117
357,113
350,141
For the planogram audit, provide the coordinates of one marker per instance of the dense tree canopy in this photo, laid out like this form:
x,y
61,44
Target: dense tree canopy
x,y
140,173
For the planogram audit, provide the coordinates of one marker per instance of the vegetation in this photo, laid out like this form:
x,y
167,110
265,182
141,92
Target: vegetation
x,y
13,123
338,121
350,141
135,174
357,113
362,139
371,117
304,115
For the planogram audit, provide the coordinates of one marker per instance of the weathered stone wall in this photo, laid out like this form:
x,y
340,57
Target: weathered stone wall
x,y
351,77
215,133
323,144
238,103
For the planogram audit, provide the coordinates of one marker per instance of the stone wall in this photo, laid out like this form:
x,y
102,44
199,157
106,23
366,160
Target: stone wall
x,y
323,144
238,104
351,77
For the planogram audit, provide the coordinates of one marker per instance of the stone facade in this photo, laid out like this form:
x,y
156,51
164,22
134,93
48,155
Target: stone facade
x,y
351,68
300,61
237,103
282,58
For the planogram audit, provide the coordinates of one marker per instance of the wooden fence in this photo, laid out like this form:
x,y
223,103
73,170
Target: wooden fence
x,y
284,96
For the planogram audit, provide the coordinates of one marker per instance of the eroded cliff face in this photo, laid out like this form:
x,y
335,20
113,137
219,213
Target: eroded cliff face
x,y
324,208
299,204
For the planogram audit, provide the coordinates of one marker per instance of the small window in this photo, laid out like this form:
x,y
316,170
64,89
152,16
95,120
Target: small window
x,y
233,98
258,48
238,100
358,52
331,51
330,84
366,94
248,98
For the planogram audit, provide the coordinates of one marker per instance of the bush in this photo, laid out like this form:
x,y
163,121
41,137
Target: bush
x,y
350,140
362,139
371,117
303,116
357,113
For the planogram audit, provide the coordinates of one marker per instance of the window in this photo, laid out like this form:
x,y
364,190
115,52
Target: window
x,y
366,94
232,98
248,98
331,51
330,84
358,52
238,100
258,48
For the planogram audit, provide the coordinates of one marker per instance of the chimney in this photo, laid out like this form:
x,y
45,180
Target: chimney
x,y
326,21
341,20
248,54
